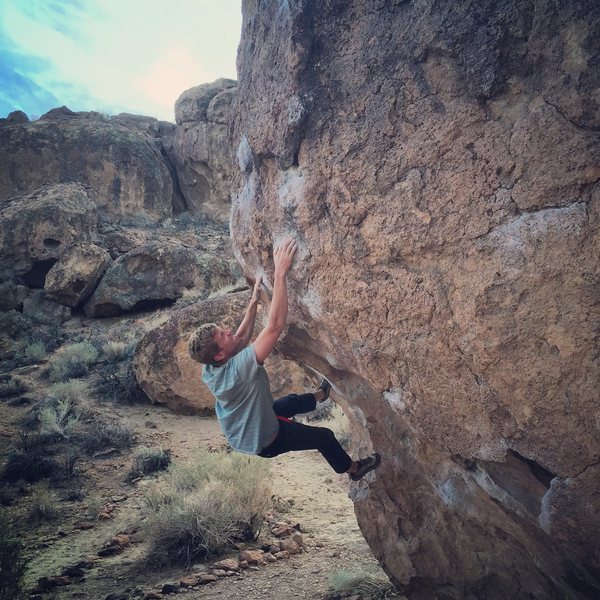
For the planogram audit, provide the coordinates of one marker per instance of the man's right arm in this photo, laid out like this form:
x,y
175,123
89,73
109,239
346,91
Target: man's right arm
x,y
267,338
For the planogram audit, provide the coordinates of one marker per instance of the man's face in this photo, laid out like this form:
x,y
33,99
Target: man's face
x,y
226,341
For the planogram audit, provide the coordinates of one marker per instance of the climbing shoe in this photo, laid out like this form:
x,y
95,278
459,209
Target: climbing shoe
x,y
326,387
365,465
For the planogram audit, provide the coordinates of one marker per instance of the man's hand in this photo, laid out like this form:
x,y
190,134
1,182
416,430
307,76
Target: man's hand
x,y
283,257
256,291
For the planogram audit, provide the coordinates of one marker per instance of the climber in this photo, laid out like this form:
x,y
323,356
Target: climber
x,y
234,373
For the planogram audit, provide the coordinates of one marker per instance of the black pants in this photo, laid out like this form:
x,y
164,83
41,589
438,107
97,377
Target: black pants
x,y
294,436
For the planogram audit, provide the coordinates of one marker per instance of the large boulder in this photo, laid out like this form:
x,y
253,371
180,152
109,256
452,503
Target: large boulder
x,y
164,370
123,167
441,176
36,228
75,275
200,150
157,273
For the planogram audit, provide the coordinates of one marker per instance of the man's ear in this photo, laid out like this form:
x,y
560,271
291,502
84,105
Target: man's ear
x,y
219,356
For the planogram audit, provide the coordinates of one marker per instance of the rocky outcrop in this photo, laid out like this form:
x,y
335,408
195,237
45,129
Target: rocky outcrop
x,y
199,148
154,274
164,370
74,277
36,228
441,177
122,167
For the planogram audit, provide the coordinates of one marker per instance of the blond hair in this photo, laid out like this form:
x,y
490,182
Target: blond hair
x,y
202,346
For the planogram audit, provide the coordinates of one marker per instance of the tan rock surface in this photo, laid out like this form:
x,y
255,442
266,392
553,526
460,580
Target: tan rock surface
x,y
73,278
441,177
37,228
157,272
199,148
122,166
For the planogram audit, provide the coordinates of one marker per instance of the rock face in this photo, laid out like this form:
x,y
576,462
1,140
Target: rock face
x,y
123,167
441,175
157,272
199,148
167,374
73,278
36,228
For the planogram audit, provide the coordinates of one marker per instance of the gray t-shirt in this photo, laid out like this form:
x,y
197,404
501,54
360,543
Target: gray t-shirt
x,y
244,404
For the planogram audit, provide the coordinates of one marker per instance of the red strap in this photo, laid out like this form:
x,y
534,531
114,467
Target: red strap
x,y
284,419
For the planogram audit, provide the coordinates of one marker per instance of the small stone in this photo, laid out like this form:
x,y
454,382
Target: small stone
x,y
297,537
121,540
219,572
204,578
189,581
103,516
289,545
84,525
270,558
170,588
119,498
152,596
282,555
251,556
243,564
228,564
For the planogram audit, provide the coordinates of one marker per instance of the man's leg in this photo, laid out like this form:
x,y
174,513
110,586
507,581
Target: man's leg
x,y
296,404
294,436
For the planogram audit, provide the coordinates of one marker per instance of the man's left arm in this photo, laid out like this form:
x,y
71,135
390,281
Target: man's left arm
x,y
245,330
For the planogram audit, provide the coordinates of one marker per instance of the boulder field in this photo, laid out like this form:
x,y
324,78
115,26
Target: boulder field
x,y
438,165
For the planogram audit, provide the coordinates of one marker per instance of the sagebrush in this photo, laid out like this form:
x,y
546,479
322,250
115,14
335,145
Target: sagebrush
x,y
72,361
204,506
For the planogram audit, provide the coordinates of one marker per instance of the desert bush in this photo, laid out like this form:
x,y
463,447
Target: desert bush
x,y
72,361
149,460
34,352
58,417
119,387
12,561
115,351
73,390
204,506
12,387
43,506
30,460
66,472
106,434
362,584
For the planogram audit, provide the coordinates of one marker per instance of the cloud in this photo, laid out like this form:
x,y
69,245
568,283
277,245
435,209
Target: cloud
x,y
109,55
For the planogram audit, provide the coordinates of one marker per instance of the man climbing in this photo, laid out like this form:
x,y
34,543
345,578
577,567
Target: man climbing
x,y
234,373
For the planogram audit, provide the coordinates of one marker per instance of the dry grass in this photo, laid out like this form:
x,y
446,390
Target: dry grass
x,y
361,584
204,506
72,361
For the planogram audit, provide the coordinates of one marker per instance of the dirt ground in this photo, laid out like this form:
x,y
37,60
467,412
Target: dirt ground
x,y
306,489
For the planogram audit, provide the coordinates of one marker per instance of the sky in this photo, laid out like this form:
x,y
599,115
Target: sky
x,y
113,56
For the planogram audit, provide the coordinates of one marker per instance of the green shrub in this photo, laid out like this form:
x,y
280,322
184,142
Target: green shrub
x,y
103,435
72,361
116,351
204,506
150,460
43,506
120,387
58,416
35,352
360,583
12,562
12,387
30,460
